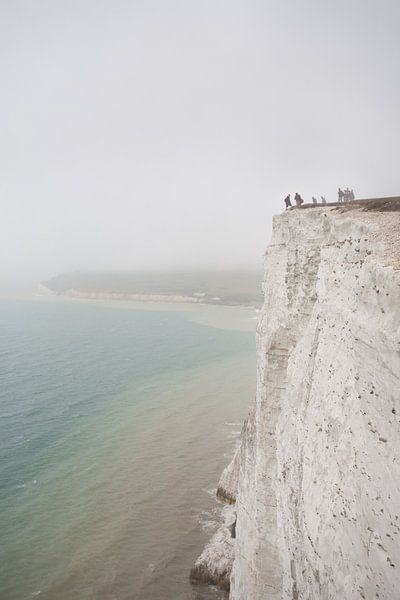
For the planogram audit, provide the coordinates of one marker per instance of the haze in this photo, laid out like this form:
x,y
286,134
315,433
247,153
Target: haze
x,y
165,133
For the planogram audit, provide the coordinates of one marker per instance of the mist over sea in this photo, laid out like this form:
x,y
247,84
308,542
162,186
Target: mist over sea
x,y
116,420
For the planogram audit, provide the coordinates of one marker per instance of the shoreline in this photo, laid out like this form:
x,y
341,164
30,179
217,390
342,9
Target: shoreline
x,y
220,316
145,298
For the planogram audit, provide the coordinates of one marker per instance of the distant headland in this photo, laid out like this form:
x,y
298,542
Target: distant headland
x,y
225,287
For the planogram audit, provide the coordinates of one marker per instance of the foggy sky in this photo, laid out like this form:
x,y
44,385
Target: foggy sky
x,y
165,133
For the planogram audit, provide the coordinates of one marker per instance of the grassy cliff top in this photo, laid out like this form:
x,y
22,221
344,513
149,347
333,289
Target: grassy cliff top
x,y
389,204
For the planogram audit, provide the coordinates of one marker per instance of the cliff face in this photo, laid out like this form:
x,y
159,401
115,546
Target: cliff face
x,y
317,490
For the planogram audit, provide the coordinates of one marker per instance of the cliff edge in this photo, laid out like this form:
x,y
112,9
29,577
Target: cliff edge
x,y
317,487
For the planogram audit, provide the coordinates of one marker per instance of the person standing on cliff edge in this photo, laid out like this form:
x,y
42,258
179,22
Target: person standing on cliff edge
x,y
287,201
299,199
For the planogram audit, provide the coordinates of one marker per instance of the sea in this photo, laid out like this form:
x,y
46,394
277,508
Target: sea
x,y
116,420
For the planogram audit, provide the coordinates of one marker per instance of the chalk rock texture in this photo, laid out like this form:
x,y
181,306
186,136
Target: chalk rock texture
x,y
318,469
227,485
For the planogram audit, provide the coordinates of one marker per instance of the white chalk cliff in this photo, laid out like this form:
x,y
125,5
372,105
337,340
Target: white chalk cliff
x,y
318,470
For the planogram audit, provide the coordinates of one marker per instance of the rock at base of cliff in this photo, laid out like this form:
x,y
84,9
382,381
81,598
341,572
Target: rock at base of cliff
x,y
214,564
227,485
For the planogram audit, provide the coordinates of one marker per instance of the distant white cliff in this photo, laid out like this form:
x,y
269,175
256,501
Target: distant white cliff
x,y
316,482
95,295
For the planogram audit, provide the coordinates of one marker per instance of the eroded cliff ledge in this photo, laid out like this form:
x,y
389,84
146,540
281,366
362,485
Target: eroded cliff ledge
x,y
318,470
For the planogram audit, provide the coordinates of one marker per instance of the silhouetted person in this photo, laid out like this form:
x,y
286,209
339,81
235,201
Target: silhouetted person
x,y
299,199
314,200
287,201
340,195
323,199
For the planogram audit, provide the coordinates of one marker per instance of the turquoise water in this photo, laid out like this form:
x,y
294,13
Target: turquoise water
x,y
115,422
